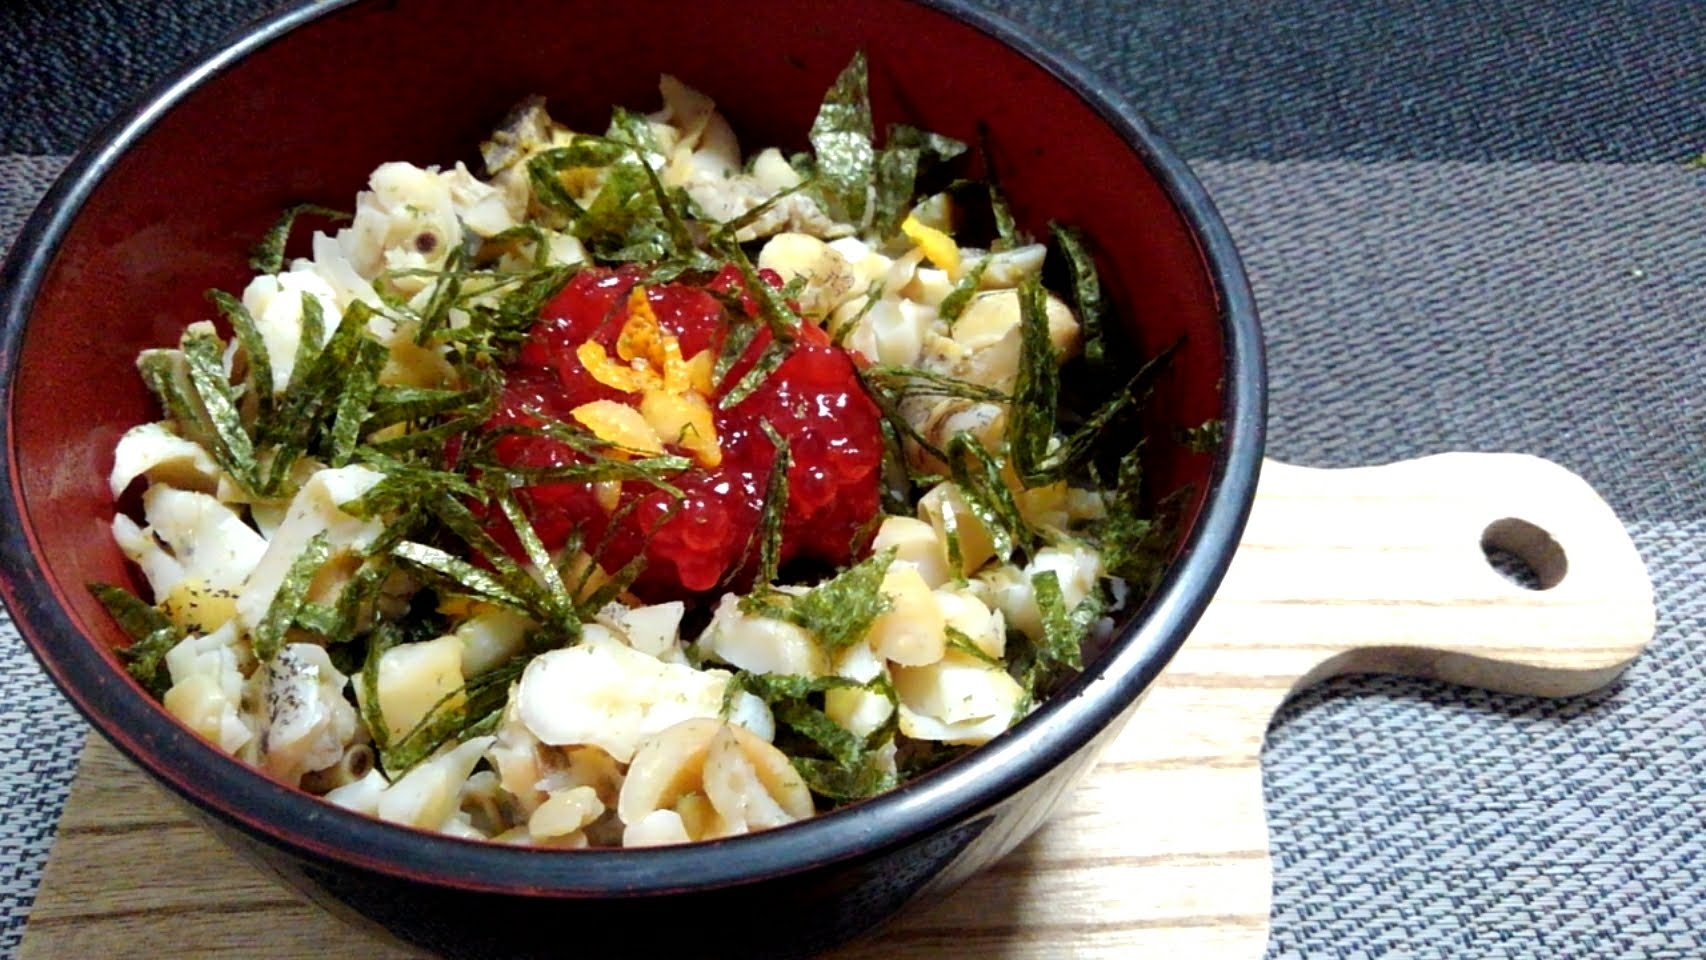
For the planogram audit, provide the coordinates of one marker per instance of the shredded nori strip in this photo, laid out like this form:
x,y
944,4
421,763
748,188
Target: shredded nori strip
x,y
960,297
1031,417
839,611
259,377
907,153
843,155
268,255
1085,288
292,593
152,635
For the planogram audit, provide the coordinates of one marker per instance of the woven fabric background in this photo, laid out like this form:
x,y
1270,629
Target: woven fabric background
x,y
1469,226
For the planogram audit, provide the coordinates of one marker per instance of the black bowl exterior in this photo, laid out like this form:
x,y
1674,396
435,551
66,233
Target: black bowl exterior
x,y
117,215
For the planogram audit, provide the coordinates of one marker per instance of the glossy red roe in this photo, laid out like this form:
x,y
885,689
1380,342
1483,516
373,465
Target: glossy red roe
x,y
704,540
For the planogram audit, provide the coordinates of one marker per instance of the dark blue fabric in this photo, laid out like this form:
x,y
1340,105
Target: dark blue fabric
x,y
1583,80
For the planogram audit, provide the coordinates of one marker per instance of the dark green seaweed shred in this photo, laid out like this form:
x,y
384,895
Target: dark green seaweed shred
x,y
545,169
232,449
475,709
1062,634
1135,542
977,475
357,603
166,373
845,329
1007,232
843,155
351,411
313,337
915,758
311,401
842,745
1094,434
741,332
888,404
843,783
635,131
605,461
151,632
472,710
513,240
392,404
957,640
320,619
632,218
897,493
965,289
268,255
618,582
1085,288
543,564
446,291
259,363
449,568
727,230
385,635
773,308
766,538
838,611
1031,417
901,383
835,763
292,593
907,153
769,360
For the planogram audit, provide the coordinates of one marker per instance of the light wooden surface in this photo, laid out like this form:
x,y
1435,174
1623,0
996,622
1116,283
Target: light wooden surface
x,y
1373,569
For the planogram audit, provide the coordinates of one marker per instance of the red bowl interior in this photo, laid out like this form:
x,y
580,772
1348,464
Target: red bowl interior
x,y
178,195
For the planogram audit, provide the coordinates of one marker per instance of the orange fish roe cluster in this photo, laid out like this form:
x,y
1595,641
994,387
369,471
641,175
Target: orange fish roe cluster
x,y
633,364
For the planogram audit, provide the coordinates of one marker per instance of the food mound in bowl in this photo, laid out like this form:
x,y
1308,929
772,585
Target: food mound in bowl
x,y
636,494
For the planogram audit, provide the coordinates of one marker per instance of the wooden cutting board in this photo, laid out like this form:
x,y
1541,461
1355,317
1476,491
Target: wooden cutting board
x,y
1377,569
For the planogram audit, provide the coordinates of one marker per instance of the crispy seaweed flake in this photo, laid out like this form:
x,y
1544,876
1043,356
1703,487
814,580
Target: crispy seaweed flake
x,y
843,154
839,611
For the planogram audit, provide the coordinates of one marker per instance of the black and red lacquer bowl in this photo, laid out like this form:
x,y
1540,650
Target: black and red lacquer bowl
x,y
168,201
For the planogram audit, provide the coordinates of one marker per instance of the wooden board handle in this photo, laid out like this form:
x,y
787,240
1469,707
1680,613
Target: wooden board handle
x,y
1382,569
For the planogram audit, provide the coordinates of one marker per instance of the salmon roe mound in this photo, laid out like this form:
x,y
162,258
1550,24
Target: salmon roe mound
x,y
813,400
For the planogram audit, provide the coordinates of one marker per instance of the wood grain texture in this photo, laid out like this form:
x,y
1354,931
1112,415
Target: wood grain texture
x,y
1375,569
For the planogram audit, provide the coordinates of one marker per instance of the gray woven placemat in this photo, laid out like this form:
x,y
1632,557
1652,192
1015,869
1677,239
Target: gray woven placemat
x,y
1413,308
1467,229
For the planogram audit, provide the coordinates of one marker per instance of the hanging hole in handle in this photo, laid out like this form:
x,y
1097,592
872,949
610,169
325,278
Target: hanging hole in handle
x,y
1525,554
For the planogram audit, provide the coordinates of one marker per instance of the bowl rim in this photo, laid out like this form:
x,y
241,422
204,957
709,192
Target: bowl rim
x,y
297,823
